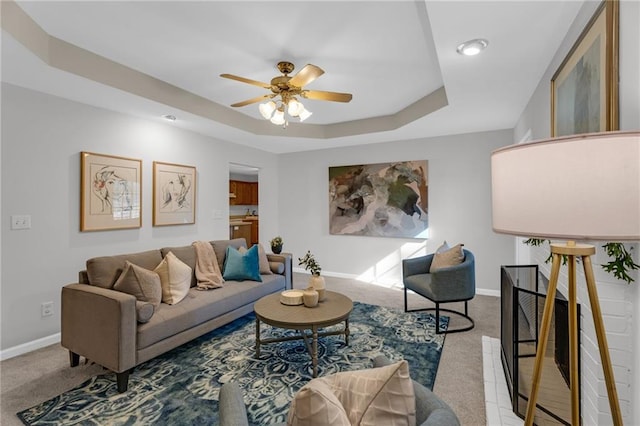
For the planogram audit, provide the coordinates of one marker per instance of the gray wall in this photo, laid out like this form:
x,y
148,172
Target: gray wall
x,y
621,301
42,137
459,207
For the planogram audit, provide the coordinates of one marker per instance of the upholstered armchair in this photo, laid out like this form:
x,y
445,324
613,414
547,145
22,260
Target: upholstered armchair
x,y
445,285
429,409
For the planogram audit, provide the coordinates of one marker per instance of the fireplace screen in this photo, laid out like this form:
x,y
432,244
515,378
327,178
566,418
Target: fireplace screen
x,y
523,294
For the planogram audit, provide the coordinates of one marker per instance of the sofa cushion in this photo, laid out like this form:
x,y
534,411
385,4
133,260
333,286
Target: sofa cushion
x,y
144,311
104,271
452,257
265,268
220,248
186,254
141,283
377,396
242,266
202,306
175,278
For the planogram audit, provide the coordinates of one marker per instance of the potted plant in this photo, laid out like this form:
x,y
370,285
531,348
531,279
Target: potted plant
x,y
276,245
316,281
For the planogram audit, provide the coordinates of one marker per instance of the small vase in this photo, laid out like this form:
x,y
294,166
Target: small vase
x,y
276,249
317,283
310,297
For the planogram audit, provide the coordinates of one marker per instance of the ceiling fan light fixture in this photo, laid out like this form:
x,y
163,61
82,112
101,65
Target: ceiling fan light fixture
x,y
294,108
267,109
472,47
304,114
278,117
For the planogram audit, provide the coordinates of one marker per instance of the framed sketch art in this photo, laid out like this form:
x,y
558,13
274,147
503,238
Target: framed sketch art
x,y
584,89
383,199
174,194
110,192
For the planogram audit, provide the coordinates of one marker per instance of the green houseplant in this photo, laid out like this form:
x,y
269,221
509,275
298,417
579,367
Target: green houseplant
x,y
316,282
619,265
276,245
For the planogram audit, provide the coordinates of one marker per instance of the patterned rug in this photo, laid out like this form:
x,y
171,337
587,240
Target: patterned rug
x,y
181,387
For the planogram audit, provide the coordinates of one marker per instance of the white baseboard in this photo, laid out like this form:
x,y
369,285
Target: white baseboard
x,y
487,292
29,346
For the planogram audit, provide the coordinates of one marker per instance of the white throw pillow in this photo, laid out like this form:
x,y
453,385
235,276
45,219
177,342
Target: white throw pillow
x,y
376,396
175,278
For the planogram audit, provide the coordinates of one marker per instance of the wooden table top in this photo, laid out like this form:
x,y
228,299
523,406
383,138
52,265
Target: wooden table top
x,y
334,308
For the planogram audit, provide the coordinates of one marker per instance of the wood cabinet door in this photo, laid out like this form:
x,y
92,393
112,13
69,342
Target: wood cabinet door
x,y
254,232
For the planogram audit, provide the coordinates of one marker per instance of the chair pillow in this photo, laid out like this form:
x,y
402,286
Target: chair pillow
x,y
316,405
444,247
452,257
376,396
242,266
175,278
141,283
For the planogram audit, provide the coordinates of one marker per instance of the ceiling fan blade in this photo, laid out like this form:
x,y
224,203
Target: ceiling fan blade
x,y
247,80
326,96
251,101
306,75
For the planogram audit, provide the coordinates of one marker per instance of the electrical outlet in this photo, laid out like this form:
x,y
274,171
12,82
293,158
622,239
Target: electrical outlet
x,y
47,309
217,214
22,221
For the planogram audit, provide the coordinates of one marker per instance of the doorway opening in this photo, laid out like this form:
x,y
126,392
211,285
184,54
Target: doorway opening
x,y
244,206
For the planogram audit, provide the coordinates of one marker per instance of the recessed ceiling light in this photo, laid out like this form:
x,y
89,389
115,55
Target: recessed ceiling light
x,y
169,117
472,47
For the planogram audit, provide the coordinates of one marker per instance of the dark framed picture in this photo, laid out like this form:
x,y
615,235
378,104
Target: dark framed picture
x,y
110,192
174,194
380,200
584,89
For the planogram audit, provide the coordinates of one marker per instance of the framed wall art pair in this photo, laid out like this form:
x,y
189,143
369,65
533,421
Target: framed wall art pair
x,y
111,193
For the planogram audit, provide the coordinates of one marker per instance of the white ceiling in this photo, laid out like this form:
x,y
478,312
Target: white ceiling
x,y
389,55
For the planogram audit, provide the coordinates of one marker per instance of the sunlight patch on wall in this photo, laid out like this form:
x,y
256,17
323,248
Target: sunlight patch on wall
x,y
387,272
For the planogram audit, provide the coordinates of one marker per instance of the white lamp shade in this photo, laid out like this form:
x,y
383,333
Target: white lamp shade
x,y
577,187
278,117
304,114
294,108
266,109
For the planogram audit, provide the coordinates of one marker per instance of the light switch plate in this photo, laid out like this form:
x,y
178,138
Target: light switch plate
x,y
20,221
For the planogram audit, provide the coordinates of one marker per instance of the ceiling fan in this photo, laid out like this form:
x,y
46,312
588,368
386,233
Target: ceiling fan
x,y
285,88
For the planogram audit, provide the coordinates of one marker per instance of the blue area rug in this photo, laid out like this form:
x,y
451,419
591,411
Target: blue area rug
x,y
181,387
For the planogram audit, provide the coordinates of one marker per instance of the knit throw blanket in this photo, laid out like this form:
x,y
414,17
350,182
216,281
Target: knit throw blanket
x,y
207,270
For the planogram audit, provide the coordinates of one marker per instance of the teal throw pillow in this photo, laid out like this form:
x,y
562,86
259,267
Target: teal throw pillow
x,y
242,266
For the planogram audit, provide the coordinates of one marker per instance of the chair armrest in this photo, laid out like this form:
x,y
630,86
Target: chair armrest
x,y
416,265
287,261
232,412
99,324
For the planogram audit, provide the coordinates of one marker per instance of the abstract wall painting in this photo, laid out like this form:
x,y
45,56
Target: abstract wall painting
x,y
381,200
174,194
110,192
584,89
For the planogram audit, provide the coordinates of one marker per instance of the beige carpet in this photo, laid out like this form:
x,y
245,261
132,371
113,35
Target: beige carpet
x,y
40,375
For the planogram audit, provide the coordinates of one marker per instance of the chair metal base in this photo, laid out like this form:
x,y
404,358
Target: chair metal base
x,y
437,310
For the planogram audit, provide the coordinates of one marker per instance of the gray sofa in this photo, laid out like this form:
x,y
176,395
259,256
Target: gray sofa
x,y
100,323
430,410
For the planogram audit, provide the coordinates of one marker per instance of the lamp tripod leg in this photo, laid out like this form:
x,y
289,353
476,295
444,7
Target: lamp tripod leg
x,y
602,342
543,338
573,342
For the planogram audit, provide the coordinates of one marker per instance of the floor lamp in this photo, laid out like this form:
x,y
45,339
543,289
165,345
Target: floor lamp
x,y
583,187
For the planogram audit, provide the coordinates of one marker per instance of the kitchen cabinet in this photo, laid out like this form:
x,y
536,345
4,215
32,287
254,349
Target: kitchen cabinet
x,y
243,193
241,230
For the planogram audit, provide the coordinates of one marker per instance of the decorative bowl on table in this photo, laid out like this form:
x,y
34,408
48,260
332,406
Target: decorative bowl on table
x,y
291,297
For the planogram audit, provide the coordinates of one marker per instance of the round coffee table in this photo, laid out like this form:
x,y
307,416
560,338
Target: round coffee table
x,y
333,309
